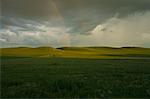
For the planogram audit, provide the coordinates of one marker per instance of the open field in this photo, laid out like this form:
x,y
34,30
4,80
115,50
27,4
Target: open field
x,y
75,72
78,52
74,78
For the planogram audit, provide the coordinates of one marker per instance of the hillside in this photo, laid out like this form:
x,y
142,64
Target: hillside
x,y
78,52
28,52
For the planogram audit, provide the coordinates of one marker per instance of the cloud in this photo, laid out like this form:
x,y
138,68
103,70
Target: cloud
x,y
132,30
29,34
81,15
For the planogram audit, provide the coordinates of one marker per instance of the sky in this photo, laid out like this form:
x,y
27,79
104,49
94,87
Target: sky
x,y
57,23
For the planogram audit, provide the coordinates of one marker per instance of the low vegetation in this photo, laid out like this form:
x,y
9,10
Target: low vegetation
x,y
78,52
75,72
74,78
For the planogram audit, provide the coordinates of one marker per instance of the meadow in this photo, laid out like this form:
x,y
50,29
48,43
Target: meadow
x,y
69,77
79,52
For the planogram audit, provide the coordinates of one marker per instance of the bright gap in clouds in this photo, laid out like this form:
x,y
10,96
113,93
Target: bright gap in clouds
x,y
132,30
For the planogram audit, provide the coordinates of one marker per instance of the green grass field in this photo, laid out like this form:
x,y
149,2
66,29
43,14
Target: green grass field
x,y
64,73
78,52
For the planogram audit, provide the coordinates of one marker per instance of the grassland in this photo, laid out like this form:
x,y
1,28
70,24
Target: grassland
x,y
75,73
78,52
74,78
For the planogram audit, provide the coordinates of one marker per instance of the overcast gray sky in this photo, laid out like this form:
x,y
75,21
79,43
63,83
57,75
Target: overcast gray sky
x,y
75,23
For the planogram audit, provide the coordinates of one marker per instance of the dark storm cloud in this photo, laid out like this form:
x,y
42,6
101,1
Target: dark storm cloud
x,y
27,8
83,14
40,19
86,14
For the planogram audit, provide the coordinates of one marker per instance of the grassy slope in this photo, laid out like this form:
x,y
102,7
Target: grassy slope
x,y
29,52
77,52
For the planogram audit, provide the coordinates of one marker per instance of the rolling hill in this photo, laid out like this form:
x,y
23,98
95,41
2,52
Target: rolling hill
x,y
77,52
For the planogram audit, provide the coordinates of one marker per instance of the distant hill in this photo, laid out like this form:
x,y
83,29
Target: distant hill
x,y
78,52
28,52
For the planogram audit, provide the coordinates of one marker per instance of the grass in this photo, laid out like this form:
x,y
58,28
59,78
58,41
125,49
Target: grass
x,y
75,72
78,52
51,77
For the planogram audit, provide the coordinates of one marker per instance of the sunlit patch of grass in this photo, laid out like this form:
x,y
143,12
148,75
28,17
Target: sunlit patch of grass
x,y
78,52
